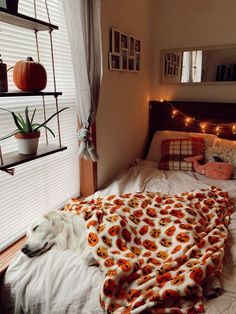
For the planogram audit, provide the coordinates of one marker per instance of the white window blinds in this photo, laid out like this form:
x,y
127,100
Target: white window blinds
x,y
46,183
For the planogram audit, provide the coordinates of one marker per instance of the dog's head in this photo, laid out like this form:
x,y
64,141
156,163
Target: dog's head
x,y
42,233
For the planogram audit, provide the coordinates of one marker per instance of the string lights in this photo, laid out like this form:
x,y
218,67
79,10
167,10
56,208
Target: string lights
x,y
174,113
234,129
188,121
218,130
203,125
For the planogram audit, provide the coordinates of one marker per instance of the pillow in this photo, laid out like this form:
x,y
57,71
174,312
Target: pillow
x,y
224,149
154,153
173,152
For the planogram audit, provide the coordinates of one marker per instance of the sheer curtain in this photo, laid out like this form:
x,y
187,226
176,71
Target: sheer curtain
x,y
197,66
84,29
192,66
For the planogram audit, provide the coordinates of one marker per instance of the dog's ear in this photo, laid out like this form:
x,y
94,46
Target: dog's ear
x,y
55,220
59,226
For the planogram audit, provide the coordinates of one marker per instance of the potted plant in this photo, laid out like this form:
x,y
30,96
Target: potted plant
x,y
27,133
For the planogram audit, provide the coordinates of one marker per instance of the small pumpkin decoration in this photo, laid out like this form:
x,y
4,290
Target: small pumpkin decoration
x,y
29,75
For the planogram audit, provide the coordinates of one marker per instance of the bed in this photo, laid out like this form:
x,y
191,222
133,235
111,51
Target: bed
x,y
59,282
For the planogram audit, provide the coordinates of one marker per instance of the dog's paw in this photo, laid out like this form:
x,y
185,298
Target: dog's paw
x,y
212,288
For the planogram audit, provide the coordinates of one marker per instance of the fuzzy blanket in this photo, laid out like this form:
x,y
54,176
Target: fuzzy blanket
x,y
156,250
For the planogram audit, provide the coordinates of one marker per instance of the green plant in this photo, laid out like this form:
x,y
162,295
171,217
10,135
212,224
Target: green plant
x,y
27,124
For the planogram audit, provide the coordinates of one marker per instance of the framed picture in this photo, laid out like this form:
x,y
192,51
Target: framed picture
x,y
137,45
124,56
171,64
124,40
125,51
115,40
137,61
114,61
131,46
131,64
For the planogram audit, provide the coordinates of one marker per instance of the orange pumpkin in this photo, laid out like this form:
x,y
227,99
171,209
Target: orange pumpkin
x,y
29,75
170,294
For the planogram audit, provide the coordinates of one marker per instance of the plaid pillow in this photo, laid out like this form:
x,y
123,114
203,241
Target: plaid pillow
x,y
173,152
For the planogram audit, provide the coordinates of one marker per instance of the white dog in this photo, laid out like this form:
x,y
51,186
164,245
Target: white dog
x,y
61,230
67,231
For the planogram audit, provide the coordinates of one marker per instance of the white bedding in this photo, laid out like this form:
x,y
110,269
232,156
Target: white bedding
x,y
59,282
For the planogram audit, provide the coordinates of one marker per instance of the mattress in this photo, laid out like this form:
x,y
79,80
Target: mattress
x,y
59,282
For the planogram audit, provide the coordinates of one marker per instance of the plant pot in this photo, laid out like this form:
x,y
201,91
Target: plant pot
x,y
12,6
27,142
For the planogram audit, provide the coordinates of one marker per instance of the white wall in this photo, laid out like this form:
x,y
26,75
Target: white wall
x,y
122,117
191,23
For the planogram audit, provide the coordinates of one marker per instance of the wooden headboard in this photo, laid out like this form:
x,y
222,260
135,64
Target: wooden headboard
x,y
212,112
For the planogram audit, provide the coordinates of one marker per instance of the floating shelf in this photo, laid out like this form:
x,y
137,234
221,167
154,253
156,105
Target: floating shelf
x,y
21,93
14,158
24,21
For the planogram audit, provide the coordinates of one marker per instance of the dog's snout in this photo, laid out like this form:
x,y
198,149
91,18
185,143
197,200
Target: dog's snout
x,y
25,249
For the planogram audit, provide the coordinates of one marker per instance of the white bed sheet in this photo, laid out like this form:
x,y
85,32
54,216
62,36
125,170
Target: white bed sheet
x,y
59,282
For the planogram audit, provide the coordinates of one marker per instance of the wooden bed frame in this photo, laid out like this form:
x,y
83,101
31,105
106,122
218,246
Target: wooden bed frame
x,y
212,112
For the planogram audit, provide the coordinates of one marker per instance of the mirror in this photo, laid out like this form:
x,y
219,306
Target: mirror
x,y
199,65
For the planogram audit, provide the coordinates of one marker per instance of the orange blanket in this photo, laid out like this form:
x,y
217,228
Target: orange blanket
x,y
156,250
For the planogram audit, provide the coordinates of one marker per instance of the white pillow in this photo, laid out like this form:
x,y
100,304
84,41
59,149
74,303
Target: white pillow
x,y
154,153
224,149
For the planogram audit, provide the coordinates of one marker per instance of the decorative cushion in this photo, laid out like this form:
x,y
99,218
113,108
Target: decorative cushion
x,y
224,149
173,152
154,153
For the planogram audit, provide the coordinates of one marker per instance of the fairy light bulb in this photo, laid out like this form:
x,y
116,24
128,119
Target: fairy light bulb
x,y
217,130
174,113
203,126
188,121
234,129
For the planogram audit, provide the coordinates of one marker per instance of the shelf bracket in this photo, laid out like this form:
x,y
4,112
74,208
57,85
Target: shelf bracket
x,y
10,171
1,158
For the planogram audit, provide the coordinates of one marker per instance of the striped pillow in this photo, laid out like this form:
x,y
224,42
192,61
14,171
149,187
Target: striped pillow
x,y
173,152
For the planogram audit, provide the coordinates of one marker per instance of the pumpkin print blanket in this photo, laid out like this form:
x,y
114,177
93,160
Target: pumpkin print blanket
x,y
156,250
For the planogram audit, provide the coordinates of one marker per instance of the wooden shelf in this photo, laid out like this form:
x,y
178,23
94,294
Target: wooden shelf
x,y
21,93
24,21
14,158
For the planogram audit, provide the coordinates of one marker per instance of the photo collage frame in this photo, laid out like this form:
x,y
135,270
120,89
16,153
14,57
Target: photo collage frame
x,y
125,52
172,64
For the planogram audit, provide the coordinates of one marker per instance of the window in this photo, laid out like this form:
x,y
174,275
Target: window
x,y
46,183
192,66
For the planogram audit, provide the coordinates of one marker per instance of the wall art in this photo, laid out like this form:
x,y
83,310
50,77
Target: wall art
x,y
125,52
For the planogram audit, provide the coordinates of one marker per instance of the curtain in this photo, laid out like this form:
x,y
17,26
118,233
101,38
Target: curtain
x,y
84,31
197,65
186,67
192,66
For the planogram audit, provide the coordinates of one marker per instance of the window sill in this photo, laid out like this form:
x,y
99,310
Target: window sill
x,y
7,255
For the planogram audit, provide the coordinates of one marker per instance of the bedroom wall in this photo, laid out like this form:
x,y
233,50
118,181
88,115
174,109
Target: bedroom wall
x,y
190,23
122,116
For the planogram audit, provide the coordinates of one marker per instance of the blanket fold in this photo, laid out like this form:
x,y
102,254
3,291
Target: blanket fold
x,y
156,250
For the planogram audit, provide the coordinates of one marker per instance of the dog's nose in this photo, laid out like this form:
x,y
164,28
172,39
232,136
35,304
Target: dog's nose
x,y
25,249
